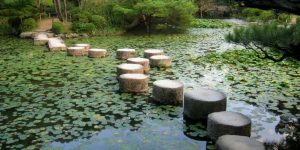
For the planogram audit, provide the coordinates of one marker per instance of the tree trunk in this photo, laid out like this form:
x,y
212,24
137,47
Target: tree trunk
x,y
57,5
38,5
65,11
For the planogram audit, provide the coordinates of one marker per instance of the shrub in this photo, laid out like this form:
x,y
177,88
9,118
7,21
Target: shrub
x,y
80,27
98,21
5,29
58,27
267,15
28,24
284,18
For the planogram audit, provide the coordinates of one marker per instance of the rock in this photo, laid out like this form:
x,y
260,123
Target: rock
x,y
125,53
135,83
142,61
40,39
50,35
130,69
76,51
198,103
86,47
168,92
27,35
97,53
227,123
160,61
235,142
151,52
56,44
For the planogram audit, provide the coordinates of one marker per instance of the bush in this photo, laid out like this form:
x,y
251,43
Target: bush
x,y
80,27
28,24
267,15
5,29
58,28
284,18
254,14
98,21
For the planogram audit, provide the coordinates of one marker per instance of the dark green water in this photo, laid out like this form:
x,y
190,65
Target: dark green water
x,y
52,101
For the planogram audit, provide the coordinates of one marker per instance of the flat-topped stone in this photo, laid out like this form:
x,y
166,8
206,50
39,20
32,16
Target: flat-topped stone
x,y
40,39
151,52
27,34
225,122
135,83
198,103
142,61
125,53
85,45
130,69
76,51
97,53
168,91
236,142
56,44
160,61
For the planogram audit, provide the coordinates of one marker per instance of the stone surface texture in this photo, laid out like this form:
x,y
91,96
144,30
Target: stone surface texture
x,y
235,142
168,92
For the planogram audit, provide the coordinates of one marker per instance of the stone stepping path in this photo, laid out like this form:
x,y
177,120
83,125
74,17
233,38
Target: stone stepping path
x,y
130,68
135,83
225,122
56,44
235,142
40,39
198,103
160,61
125,53
168,92
151,52
97,53
142,61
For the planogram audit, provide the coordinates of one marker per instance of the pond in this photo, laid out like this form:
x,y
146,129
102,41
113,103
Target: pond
x,y
52,101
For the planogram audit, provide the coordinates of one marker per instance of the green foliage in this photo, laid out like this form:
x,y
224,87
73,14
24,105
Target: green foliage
x,y
210,23
254,14
279,38
174,13
28,24
58,27
80,27
284,18
5,29
98,21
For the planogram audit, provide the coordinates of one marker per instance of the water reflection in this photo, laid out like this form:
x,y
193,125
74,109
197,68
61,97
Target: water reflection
x,y
171,133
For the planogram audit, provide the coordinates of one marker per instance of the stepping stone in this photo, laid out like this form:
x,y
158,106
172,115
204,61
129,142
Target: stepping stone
x,y
142,61
97,53
76,51
27,34
235,142
130,69
135,83
167,91
86,47
160,61
228,123
125,53
40,39
198,103
56,44
151,52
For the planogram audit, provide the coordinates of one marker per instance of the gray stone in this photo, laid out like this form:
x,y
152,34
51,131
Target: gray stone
x,y
142,61
227,123
56,44
76,51
151,52
135,83
160,61
125,53
168,92
130,69
235,142
27,35
97,53
198,103
86,47
40,39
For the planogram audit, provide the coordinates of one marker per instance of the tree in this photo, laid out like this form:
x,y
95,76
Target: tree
x,y
62,16
129,14
204,5
268,38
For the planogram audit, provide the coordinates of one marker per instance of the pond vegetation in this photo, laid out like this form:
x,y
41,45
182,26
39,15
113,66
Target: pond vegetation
x,y
53,101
